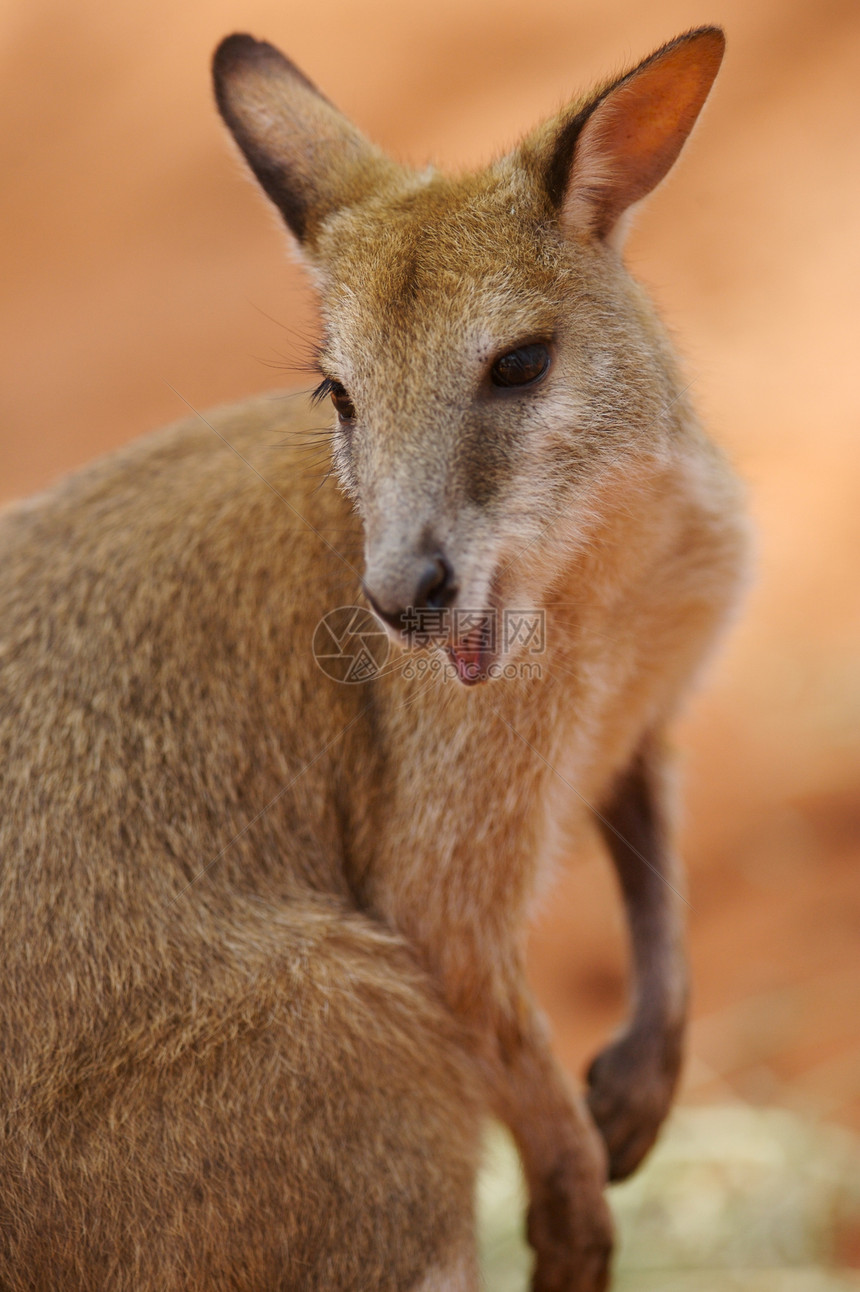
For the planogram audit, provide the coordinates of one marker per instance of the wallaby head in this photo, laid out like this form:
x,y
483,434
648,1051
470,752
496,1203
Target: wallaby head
x,y
492,365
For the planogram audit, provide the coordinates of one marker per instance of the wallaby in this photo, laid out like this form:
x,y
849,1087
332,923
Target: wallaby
x,y
263,926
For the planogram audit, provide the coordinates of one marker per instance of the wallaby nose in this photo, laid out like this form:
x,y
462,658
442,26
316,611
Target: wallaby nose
x,y
434,589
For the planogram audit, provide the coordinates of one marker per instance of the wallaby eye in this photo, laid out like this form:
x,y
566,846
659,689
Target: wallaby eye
x,y
520,367
342,402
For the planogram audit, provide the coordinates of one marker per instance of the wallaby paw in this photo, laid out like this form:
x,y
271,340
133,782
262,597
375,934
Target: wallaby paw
x,y
589,1273
570,1228
630,1089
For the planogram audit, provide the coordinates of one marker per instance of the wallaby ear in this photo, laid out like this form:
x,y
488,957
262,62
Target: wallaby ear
x,y
616,148
308,157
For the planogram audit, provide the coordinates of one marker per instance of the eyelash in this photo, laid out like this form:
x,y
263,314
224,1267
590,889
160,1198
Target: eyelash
x,y
323,391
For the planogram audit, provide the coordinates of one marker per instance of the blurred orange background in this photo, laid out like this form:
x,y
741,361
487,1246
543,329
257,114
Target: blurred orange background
x,y
138,261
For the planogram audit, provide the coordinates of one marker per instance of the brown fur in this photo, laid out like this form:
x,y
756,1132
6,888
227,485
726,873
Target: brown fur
x,y
263,931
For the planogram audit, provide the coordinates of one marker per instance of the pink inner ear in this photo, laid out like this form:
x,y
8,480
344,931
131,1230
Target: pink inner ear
x,y
634,135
